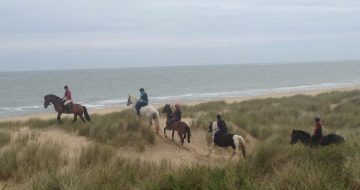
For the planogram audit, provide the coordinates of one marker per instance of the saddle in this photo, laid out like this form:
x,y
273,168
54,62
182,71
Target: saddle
x,y
68,108
225,140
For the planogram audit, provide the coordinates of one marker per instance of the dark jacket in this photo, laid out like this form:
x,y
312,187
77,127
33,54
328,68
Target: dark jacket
x,y
144,98
177,115
222,126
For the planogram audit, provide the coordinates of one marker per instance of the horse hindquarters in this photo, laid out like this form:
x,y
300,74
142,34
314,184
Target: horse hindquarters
x,y
86,114
241,144
331,139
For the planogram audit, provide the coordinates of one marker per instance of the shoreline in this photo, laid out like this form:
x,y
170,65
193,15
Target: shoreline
x,y
102,111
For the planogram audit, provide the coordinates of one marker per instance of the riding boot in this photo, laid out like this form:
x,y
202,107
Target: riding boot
x,y
67,109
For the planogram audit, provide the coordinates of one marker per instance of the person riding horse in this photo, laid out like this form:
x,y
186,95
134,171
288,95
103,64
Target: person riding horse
x,y
317,136
67,99
143,101
177,114
222,129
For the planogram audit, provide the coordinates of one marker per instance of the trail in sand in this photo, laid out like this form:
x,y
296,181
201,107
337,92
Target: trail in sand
x,y
163,150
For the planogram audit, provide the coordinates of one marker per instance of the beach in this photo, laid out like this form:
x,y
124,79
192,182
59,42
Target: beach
x,y
52,114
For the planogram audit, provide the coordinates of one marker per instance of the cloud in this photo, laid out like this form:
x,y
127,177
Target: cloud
x,y
51,26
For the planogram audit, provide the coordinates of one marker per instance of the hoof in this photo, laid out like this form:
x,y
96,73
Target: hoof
x,y
165,136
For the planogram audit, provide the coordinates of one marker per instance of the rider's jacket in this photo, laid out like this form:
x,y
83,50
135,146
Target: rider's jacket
x,y
68,95
144,98
318,130
222,126
177,115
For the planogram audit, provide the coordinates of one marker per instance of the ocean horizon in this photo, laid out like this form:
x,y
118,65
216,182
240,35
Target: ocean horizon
x,y
23,91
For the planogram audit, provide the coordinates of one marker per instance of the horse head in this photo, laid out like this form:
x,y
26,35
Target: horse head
x,y
212,126
299,135
50,98
294,137
46,101
129,101
167,109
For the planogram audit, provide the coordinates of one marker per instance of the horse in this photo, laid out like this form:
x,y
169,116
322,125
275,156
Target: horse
x,y
305,138
181,127
235,141
149,112
77,109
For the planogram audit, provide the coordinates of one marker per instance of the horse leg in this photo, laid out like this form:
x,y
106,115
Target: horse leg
x,y
233,154
165,132
210,150
150,121
181,137
58,118
172,135
82,118
75,118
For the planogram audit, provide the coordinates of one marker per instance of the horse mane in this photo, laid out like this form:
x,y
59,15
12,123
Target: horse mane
x,y
302,132
53,96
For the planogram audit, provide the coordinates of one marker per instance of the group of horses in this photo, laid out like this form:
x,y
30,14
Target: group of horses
x,y
150,113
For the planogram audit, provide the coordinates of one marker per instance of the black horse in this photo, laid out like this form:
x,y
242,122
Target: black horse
x,y
305,138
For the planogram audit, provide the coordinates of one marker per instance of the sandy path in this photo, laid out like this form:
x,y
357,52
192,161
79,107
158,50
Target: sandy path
x,y
163,150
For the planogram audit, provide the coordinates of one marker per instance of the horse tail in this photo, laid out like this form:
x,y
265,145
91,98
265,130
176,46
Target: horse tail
x,y
242,145
157,121
87,116
187,128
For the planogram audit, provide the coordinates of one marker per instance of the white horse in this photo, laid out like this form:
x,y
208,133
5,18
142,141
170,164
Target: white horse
x,y
149,112
235,141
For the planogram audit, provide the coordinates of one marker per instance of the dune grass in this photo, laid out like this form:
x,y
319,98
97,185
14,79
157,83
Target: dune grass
x,y
4,138
273,164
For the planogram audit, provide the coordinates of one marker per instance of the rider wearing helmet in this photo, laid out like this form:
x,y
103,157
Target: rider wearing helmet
x,y
143,101
67,99
222,128
316,137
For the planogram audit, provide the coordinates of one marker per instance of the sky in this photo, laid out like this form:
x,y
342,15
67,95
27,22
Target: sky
x,y
83,34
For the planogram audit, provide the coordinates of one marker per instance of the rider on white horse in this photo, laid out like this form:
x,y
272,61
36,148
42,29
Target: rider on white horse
x,y
143,101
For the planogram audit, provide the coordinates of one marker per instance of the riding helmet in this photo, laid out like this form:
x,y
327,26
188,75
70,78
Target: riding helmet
x,y
317,119
142,90
66,86
218,116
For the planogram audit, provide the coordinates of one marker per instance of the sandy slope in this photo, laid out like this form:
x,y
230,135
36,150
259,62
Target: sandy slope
x,y
164,149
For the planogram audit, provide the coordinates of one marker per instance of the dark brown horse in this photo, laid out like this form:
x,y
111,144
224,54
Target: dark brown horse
x,y
77,109
181,127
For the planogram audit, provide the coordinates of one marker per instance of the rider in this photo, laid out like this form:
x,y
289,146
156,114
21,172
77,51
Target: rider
x,y
316,137
222,128
143,101
177,114
67,98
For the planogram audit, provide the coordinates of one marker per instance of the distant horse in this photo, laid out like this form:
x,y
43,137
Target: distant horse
x,y
181,127
149,112
235,141
304,138
77,109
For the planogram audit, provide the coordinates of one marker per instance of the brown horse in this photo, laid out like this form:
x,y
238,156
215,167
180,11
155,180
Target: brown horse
x,y
77,109
181,127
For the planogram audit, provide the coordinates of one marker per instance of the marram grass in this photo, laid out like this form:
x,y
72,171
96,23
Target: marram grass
x,y
273,164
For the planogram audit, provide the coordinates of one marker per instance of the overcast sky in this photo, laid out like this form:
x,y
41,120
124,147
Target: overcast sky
x,y
69,34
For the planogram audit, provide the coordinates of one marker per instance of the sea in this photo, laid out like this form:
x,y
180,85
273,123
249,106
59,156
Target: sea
x,y
21,93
